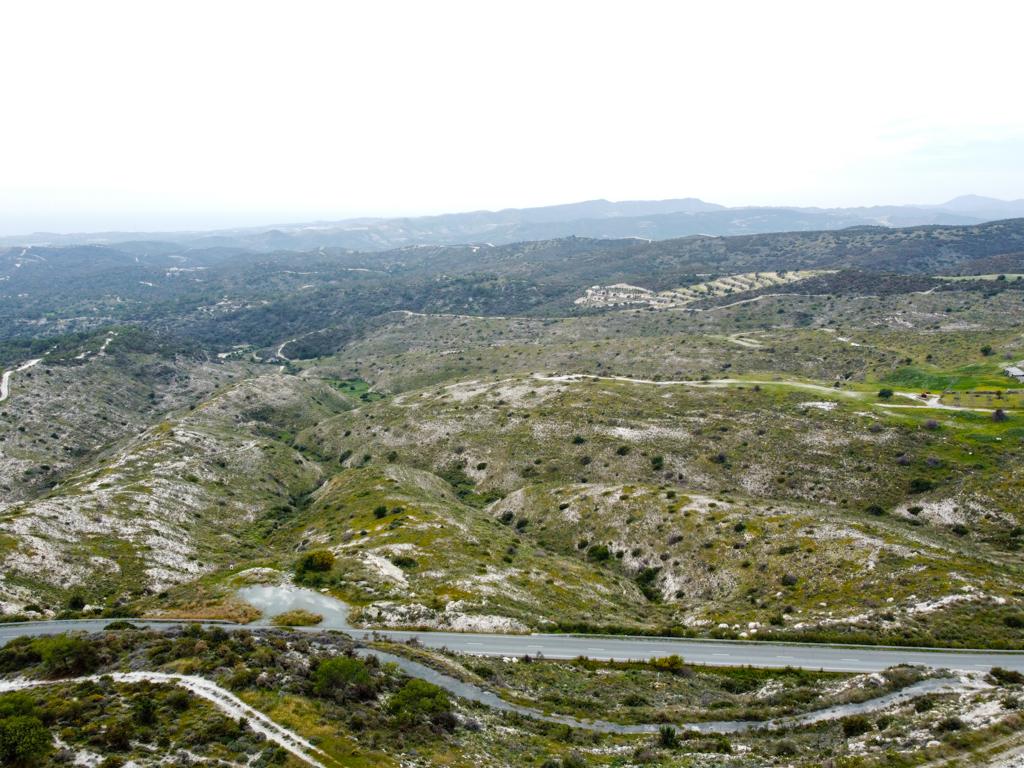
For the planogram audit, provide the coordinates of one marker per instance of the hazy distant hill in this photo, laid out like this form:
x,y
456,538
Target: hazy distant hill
x,y
654,220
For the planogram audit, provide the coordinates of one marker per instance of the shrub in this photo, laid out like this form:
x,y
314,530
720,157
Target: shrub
x,y
657,463
315,561
885,393
789,580
66,655
24,740
76,602
645,580
622,450
786,748
297,618
343,678
1004,676
673,664
921,485
949,724
598,553
418,700
144,710
667,737
855,725
380,512
119,625
404,561
1000,415
924,704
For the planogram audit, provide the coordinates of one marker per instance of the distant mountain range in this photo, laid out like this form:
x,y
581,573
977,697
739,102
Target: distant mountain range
x,y
645,219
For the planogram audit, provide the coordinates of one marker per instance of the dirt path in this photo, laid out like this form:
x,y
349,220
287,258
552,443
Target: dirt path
x,y
5,380
223,700
929,402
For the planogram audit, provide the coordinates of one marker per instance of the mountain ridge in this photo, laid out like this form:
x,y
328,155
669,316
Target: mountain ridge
x,y
600,218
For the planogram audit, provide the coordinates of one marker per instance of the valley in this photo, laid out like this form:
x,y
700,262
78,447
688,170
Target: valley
x,y
479,465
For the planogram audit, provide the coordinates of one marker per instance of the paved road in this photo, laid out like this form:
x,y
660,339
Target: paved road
x,y
714,652
720,653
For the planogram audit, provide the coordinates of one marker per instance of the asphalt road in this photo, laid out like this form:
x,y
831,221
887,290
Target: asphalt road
x,y
715,652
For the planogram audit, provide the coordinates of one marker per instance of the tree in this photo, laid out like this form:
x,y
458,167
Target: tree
x,y
885,393
1000,415
24,740
986,350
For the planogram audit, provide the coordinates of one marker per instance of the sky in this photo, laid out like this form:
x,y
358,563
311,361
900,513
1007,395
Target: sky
x,y
191,115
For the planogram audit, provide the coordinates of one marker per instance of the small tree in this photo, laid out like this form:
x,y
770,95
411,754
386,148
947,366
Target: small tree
x,y
999,415
885,393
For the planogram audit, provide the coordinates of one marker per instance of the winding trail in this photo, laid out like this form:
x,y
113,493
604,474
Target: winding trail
x,y
5,380
222,699
494,701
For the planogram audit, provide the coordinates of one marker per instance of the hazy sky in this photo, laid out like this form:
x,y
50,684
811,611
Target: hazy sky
x,y
135,115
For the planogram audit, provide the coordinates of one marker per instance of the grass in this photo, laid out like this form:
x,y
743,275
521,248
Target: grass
x,y
357,389
297,618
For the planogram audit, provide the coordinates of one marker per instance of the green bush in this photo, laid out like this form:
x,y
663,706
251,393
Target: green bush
x,y
66,655
921,485
24,740
315,561
856,725
1004,676
667,737
343,677
419,700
